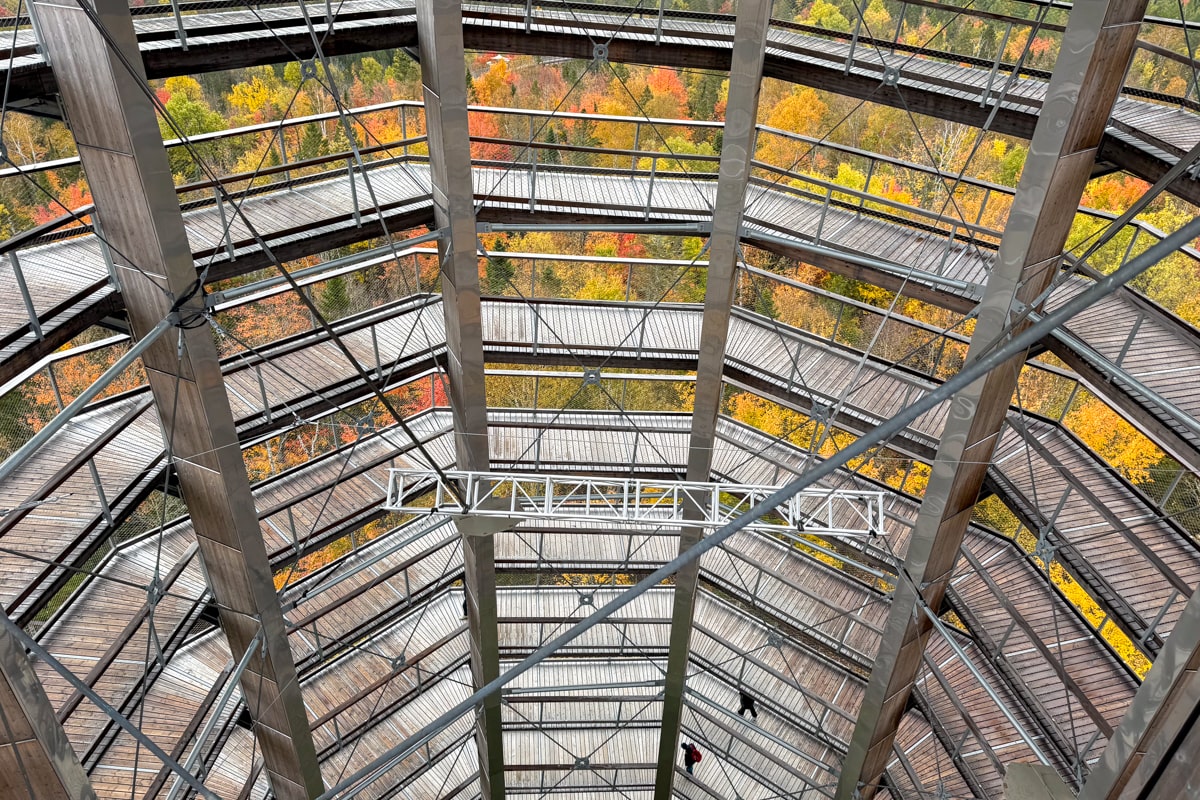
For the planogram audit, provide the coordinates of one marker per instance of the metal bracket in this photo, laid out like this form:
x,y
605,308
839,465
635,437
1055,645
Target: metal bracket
x,y
308,68
774,639
1044,551
582,762
364,425
591,377
600,52
399,662
587,600
891,76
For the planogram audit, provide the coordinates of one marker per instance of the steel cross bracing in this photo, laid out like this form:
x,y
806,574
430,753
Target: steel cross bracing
x,y
875,414
632,501
1157,331
456,602
1097,48
971,373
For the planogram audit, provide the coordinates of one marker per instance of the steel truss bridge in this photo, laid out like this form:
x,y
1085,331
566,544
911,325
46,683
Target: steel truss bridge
x,y
115,584
521,496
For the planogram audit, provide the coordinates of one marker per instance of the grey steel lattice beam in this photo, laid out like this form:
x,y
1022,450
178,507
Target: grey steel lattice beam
x,y
737,151
440,38
1095,54
1155,751
99,74
36,759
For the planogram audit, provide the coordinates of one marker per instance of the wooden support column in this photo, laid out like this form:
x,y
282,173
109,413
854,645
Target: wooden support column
x,y
1095,54
93,50
36,760
737,152
1154,754
440,37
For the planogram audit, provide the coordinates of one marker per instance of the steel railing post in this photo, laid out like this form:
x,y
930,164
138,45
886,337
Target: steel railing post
x,y
35,325
226,232
650,190
987,90
404,131
854,38
533,162
287,174
353,192
637,143
178,24
37,33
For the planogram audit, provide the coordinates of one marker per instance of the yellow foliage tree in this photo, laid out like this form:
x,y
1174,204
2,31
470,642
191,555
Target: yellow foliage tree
x,y
1114,439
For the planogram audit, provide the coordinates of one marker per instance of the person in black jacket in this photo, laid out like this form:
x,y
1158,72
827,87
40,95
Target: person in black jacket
x,y
747,704
691,756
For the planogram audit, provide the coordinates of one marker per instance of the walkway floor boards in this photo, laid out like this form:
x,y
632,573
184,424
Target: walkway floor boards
x,y
765,751
941,76
930,764
921,250
1154,347
819,601
1091,666
74,508
1009,582
1104,522
986,716
660,422
291,384
284,527
104,612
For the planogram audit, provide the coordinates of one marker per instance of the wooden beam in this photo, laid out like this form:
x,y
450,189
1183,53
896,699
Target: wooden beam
x,y
36,760
733,175
440,35
98,71
1097,48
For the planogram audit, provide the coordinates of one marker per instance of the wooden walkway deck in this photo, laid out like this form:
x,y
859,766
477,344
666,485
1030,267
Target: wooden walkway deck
x,y
515,332
667,332
1125,330
375,590
305,377
1146,136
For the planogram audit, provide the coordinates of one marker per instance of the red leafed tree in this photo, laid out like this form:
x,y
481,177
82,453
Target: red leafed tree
x,y
74,195
422,395
628,246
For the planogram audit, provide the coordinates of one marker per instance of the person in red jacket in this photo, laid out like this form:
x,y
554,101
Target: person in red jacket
x,y
691,756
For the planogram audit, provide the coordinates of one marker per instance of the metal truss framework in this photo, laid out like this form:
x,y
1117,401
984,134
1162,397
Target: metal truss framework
x,y
633,501
548,494
1097,48
972,372
95,58
1175,430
